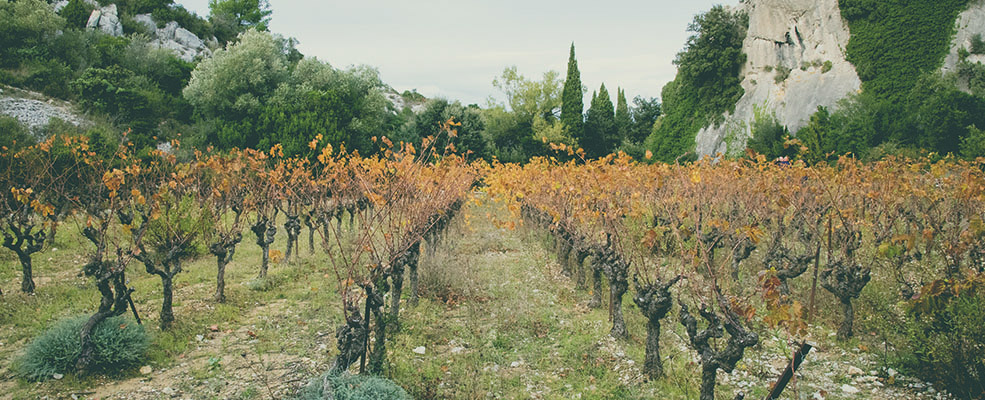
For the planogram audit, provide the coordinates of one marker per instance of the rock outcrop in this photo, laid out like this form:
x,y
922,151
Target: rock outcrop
x,y
181,41
803,38
971,22
185,44
399,103
107,20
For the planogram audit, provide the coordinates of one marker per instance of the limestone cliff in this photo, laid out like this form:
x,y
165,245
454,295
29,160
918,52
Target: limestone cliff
x,y
803,38
971,22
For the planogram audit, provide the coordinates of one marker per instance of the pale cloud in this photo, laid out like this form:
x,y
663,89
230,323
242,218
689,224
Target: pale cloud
x,y
454,49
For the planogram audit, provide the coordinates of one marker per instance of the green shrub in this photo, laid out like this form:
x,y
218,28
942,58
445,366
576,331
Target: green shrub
x,y
76,14
973,145
977,44
352,387
13,134
768,135
945,335
49,76
826,67
119,344
782,73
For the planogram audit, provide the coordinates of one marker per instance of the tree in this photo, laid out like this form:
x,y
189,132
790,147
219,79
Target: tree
x,y
644,114
237,81
232,17
817,135
510,126
973,145
707,82
132,101
273,102
600,126
624,120
468,136
572,103
939,115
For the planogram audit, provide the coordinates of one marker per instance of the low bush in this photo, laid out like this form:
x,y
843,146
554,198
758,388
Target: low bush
x,y
352,387
119,344
945,336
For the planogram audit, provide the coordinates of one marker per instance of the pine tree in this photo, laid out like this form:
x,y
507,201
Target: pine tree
x,y
572,103
623,121
600,126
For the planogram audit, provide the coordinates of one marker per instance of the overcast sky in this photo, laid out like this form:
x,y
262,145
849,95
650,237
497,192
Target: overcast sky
x,y
454,49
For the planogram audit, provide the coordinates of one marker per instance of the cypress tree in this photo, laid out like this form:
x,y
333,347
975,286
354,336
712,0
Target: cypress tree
x,y
600,125
623,120
571,99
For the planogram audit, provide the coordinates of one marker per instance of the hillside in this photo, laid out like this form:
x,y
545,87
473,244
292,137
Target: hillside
x,y
802,55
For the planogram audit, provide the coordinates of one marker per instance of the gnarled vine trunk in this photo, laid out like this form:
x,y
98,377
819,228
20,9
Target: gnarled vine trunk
x,y
596,300
27,274
293,229
350,340
654,301
223,250
22,238
374,305
265,231
580,254
114,299
713,358
845,280
616,270
409,259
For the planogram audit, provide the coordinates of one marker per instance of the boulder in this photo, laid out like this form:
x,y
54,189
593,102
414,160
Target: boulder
x,y
106,20
185,44
147,21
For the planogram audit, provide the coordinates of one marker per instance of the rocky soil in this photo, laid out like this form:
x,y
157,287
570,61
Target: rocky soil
x,y
35,113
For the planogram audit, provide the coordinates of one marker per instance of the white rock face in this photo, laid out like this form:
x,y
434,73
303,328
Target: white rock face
x,y
107,20
800,35
971,22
